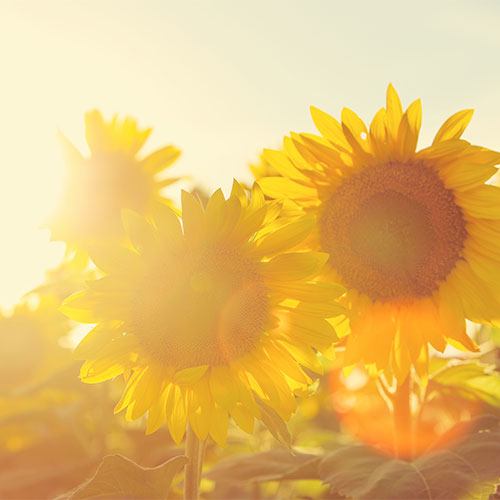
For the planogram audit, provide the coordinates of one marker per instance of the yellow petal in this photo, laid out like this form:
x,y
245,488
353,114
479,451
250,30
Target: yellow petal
x,y
128,392
243,418
189,376
330,128
422,365
486,269
249,226
218,425
478,301
304,355
454,127
319,151
286,237
461,341
321,309
309,292
486,232
378,133
394,112
282,187
355,131
233,215
96,339
257,197
254,367
476,155
281,163
222,387
446,151
452,318
450,310
238,192
316,331
464,176
113,259
94,130
216,213
354,352
285,362
245,394
361,343
200,415
110,285
482,201
141,233
293,266
193,218
410,332
160,159
401,361
176,412
168,224
93,372
428,318
80,307
295,157
146,392
157,414
409,129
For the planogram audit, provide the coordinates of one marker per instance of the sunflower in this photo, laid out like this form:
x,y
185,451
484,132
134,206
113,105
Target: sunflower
x,y
97,188
413,236
208,321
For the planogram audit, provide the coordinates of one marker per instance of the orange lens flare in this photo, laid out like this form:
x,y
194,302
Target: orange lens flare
x,y
365,414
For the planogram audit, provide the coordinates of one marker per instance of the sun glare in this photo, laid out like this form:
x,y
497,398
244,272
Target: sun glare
x,y
211,288
29,186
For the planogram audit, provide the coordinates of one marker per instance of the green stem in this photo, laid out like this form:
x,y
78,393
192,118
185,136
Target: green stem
x,y
192,470
403,426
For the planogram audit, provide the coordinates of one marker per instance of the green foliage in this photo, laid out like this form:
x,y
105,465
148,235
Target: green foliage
x,y
470,467
276,425
274,465
470,380
493,334
466,470
118,477
45,468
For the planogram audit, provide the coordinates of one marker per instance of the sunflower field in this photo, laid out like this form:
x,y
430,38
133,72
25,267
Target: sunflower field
x,y
321,323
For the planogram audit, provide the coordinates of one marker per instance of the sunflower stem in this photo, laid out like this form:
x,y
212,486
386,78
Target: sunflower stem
x,y
403,425
192,470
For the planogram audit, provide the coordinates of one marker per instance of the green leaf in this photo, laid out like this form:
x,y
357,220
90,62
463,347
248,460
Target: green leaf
x,y
274,465
117,477
470,380
275,424
468,427
467,470
494,334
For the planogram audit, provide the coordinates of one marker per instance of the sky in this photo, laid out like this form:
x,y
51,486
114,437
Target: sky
x,y
221,80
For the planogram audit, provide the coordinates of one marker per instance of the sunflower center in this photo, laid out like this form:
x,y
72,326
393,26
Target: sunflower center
x,y
207,307
393,230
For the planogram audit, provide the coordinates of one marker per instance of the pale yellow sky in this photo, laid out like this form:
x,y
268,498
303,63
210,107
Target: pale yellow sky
x,y
220,79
